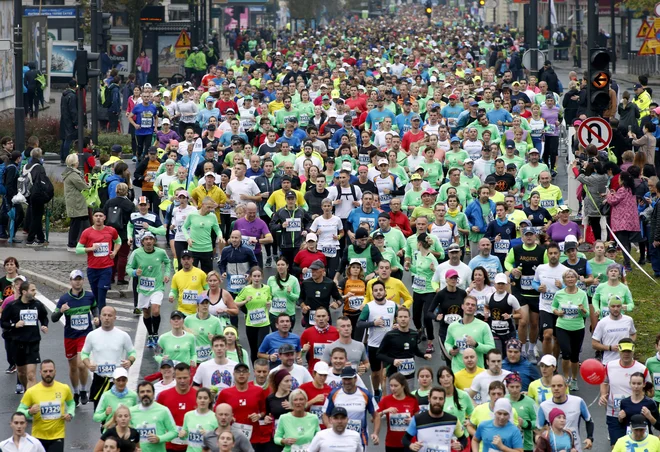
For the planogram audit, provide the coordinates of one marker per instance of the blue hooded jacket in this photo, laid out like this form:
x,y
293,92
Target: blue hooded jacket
x,y
475,216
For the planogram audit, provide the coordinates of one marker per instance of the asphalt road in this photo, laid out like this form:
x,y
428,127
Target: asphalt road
x,y
83,433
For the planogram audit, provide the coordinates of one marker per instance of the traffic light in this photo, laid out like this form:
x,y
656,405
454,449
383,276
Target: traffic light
x,y
102,25
428,10
482,2
83,71
599,80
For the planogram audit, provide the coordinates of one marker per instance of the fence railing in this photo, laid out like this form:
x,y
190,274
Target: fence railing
x,y
648,64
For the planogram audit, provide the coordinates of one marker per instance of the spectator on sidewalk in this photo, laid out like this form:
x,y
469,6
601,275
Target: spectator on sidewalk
x,y
76,204
40,194
68,119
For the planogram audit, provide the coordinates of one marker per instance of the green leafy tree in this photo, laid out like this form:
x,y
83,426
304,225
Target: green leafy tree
x,y
640,7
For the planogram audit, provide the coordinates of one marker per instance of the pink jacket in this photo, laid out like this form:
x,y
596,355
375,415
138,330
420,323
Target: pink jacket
x,y
624,215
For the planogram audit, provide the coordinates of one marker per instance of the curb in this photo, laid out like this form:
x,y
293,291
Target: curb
x,y
55,284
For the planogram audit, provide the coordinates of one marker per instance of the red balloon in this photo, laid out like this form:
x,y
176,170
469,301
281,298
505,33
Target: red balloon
x,y
592,371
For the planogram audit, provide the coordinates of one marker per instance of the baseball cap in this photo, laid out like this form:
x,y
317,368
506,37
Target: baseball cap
x,y
355,261
501,278
311,237
626,346
147,234
455,139
177,314
166,362
490,180
383,162
348,372
290,194
453,96
637,86
339,411
429,191
511,166
230,110
510,144
202,298
638,421
116,148
416,176
143,200
467,160
378,235
183,193
247,98
166,121
548,360
454,247
76,274
210,99
474,103
533,150
346,165
153,150
321,368
286,348
361,233
332,114
570,242
528,230
186,253
241,366
563,208
317,265
119,372
209,174
451,273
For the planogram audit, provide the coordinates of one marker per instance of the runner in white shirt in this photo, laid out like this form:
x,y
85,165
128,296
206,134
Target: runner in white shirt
x,y
329,229
388,185
445,231
337,438
20,441
299,374
494,372
574,408
242,189
344,197
455,263
611,329
168,381
217,373
548,280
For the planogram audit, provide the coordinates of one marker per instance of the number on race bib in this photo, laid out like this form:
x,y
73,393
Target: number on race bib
x,y
257,316
79,322
278,305
189,297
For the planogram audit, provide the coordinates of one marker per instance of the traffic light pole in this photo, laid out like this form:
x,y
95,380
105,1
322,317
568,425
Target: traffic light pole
x,y
82,117
95,65
19,105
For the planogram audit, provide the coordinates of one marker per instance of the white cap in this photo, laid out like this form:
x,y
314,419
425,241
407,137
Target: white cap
x,y
501,278
311,237
346,165
468,160
321,368
166,121
548,360
570,238
332,113
209,174
119,372
76,274
383,162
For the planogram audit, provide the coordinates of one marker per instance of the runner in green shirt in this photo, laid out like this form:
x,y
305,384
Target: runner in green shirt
x,y
613,287
153,421
457,217
199,421
198,227
177,345
285,290
653,365
433,171
525,407
413,198
151,266
203,326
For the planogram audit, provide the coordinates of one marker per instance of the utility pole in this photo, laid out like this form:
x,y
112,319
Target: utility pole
x,y
613,35
531,26
95,65
578,33
19,105
82,117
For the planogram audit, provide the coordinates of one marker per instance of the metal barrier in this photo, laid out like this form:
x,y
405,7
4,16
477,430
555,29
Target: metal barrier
x,y
640,65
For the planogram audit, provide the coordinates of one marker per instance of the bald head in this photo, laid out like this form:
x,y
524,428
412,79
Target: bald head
x,y
224,415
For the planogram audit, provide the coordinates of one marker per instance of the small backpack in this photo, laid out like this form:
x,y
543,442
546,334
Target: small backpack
x,y
25,182
105,97
115,218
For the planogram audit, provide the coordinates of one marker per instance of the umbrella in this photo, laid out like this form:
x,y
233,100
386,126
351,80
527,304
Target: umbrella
x,y
48,212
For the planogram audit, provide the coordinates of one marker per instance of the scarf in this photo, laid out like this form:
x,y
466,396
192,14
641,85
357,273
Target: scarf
x,y
322,331
119,394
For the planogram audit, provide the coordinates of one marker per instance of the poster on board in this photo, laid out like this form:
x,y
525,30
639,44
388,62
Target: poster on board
x,y
35,41
63,58
120,53
6,56
168,63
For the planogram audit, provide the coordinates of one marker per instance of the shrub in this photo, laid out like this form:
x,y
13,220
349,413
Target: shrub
x,y
107,140
47,129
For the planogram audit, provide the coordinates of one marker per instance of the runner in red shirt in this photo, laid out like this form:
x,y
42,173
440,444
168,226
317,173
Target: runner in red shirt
x,y
317,391
400,406
249,404
306,256
315,338
179,400
225,103
101,243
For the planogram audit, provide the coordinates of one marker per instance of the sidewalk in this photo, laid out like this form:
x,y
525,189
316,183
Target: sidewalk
x,y
621,76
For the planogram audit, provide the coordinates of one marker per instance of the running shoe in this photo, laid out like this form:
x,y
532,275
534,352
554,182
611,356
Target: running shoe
x,y
84,398
76,398
137,311
430,348
269,262
19,388
11,369
573,385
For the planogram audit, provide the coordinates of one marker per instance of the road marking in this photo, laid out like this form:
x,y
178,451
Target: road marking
x,y
119,302
49,305
118,309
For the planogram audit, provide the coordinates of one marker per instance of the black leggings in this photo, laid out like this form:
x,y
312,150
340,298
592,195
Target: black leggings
x,y
594,222
203,260
143,144
551,151
99,386
178,248
53,445
289,254
420,301
570,343
255,336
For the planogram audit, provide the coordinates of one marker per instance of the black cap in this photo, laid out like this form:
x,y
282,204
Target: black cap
x,y
153,150
511,166
361,233
285,177
290,194
348,372
384,215
185,253
241,366
317,265
116,149
177,314
339,411
286,348
378,235
491,180
638,421
166,362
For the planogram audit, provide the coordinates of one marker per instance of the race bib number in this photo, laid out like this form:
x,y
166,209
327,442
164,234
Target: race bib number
x,y
203,353
318,350
147,283
364,159
278,305
526,282
244,429
246,241
80,322
354,425
445,243
50,410
571,312
318,411
385,198
329,250
407,366
307,275
451,318
500,325
304,119
547,203
656,382
189,297
591,290
355,302
236,283
294,225
299,448
461,344
247,123
604,312
257,316
399,422
29,317
195,439
105,370
312,318
418,282
146,121
370,221
145,430
547,296
363,263
502,247
437,448
102,250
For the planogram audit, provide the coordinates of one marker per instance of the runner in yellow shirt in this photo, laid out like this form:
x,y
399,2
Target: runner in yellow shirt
x,y
50,405
551,197
396,290
187,284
